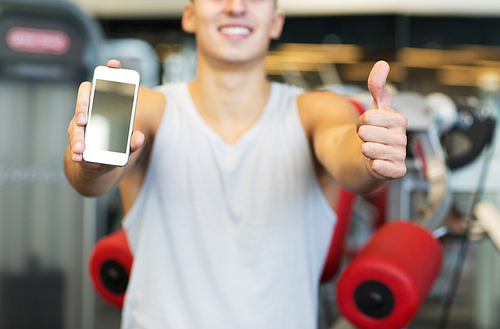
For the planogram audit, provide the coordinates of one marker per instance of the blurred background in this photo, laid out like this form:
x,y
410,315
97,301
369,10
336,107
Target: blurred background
x,y
445,76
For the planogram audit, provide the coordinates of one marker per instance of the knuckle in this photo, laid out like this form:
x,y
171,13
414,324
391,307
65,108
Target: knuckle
x,y
402,121
400,171
403,158
368,116
81,103
399,156
401,140
71,130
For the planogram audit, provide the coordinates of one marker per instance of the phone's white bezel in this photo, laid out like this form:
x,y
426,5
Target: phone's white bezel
x,y
115,75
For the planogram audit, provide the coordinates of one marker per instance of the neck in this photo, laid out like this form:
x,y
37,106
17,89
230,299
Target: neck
x,y
230,97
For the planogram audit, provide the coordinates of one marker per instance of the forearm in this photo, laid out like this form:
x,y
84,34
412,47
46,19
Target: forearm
x,y
90,180
360,152
339,150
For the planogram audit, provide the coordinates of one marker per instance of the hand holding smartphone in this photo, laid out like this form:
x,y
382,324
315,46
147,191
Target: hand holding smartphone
x,y
111,115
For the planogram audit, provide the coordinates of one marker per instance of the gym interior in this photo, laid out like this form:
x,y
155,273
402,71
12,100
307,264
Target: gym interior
x,y
445,78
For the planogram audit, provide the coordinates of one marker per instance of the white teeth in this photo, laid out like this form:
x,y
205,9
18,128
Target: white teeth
x,y
235,30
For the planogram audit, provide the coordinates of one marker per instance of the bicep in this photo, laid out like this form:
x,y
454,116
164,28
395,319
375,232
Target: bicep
x,y
326,117
150,108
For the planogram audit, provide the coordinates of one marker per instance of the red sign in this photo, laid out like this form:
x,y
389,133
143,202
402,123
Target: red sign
x,y
39,41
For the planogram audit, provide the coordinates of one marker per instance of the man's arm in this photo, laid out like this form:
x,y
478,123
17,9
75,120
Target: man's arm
x,y
359,152
91,179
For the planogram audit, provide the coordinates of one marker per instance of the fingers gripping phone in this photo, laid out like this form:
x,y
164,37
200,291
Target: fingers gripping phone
x,y
111,115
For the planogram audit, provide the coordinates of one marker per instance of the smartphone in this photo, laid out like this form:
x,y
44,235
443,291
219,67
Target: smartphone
x,y
111,115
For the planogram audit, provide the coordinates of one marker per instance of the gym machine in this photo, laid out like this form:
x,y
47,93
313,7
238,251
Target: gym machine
x,y
47,48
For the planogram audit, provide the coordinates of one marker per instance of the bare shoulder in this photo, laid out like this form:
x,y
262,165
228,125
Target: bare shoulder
x,y
324,107
151,105
321,96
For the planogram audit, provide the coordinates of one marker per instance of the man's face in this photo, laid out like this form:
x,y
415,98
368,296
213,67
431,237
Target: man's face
x,y
233,30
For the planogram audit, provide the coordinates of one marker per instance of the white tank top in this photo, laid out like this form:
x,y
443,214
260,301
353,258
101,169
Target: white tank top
x,y
228,235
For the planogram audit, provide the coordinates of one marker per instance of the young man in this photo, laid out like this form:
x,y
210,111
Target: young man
x,y
228,193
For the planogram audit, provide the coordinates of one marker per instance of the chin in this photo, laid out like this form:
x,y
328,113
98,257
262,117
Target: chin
x,y
242,56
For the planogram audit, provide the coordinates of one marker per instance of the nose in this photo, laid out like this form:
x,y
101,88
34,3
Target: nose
x,y
236,7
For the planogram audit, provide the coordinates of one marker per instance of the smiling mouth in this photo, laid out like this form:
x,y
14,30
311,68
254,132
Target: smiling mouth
x,y
235,30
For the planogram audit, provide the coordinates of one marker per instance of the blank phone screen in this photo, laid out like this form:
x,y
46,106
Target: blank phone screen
x,y
109,123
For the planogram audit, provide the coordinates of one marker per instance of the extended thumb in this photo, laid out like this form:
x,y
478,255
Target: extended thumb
x,y
376,85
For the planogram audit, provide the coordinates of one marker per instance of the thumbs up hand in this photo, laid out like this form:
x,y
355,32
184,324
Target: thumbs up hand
x,y
382,130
